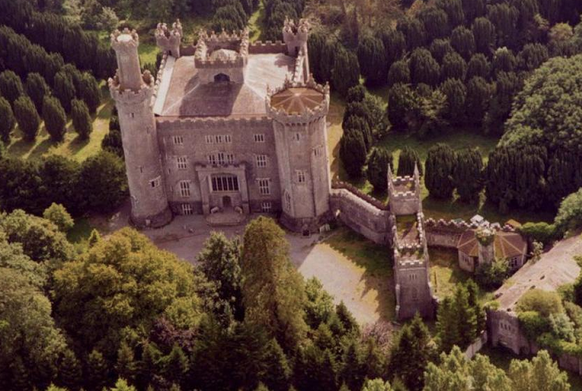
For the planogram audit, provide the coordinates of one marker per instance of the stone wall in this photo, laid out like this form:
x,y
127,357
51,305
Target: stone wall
x,y
355,211
476,346
267,47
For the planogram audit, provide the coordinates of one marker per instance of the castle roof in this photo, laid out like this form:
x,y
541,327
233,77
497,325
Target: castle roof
x,y
507,244
296,100
182,95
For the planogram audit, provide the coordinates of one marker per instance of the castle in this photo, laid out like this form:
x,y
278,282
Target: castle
x,y
210,136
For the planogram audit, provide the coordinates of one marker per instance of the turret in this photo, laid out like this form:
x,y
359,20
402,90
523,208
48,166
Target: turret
x,y
132,92
169,40
295,36
299,113
486,241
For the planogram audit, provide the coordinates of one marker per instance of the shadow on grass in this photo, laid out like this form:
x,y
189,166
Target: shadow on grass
x,y
80,231
376,260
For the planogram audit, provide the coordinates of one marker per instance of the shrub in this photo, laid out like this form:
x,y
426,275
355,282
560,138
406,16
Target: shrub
x,y
545,303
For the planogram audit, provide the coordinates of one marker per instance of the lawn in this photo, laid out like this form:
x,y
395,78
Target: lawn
x,y
257,23
376,261
72,146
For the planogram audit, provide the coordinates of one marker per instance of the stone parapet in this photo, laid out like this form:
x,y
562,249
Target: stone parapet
x,y
166,123
130,96
267,47
369,200
309,115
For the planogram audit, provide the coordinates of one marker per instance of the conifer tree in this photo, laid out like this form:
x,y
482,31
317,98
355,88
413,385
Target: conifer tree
x,y
463,41
440,164
407,160
126,366
454,67
468,174
378,168
478,66
456,94
353,152
37,88
424,68
372,59
64,89
70,372
97,372
89,92
149,365
55,119
7,123
374,359
94,238
399,73
473,291
176,365
353,372
278,374
479,94
20,376
454,10
346,71
439,48
484,34
27,117
10,86
447,331
81,119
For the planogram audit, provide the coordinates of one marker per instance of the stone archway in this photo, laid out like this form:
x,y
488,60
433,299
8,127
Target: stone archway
x,y
221,78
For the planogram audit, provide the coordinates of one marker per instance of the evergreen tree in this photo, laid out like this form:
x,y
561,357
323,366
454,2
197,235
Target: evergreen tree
x,y
463,41
541,373
407,160
468,174
424,68
435,21
353,152
504,16
55,119
58,215
484,35
27,117
346,71
97,371
37,89
478,67
439,48
394,44
10,86
149,366
278,374
273,292
504,61
399,73
507,85
70,372
473,9
94,238
447,331
378,169
456,94
176,365
454,10
532,56
413,31
372,59
473,291
454,67
478,97
353,372
126,366
64,89
7,123
400,98
81,119
440,164
89,92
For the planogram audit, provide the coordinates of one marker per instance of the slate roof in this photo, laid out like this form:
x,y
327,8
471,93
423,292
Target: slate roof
x,y
507,244
296,100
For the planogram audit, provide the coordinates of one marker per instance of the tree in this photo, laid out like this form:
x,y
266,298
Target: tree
x,y
407,159
435,21
399,73
394,43
70,371
473,9
540,373
278,374
569,215
37,89
273,293
176,365
537,117
440,164
372,59
102,182
27,117
89,92
455,372
122,385
508,84
318,305
492,275
81,119
58,215
107,290
353,372
27,331
454,67
456,94
377,385
8,121
467,174
439,48
413,31
64,89
424,68
478,97
10,86
220,263
410,354
378,168
478,67
463,41
532,56
55,119
353,152
504,17
97,370
504,60
346,71
546,303
484,35
454,10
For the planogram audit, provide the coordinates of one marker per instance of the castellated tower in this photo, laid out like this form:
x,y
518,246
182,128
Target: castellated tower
x,y
132,93
169,40
299,113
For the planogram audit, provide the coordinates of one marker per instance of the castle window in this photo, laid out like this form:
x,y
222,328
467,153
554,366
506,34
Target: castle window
x,y
287,201
300,176
318,151
156,182
224,183
182,163
414,294
227,138
141,169
264,186
187,209
185,189
266,207
178,140
225,158
209,139
131,115
211,159
297,136
259,138
261,160
219,138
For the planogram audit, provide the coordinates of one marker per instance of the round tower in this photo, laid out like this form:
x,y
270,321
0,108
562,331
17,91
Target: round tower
x,y
299,113
133,93
486,244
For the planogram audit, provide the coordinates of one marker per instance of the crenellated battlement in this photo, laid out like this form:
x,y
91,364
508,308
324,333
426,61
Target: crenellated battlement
x,y
131,96
259,47
309,114
236,44
295,35
192,123
338,185
169,40
124,40
160,74
462,225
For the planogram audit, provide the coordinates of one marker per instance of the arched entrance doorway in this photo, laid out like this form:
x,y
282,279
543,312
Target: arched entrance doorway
x,y
226,202
221,78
